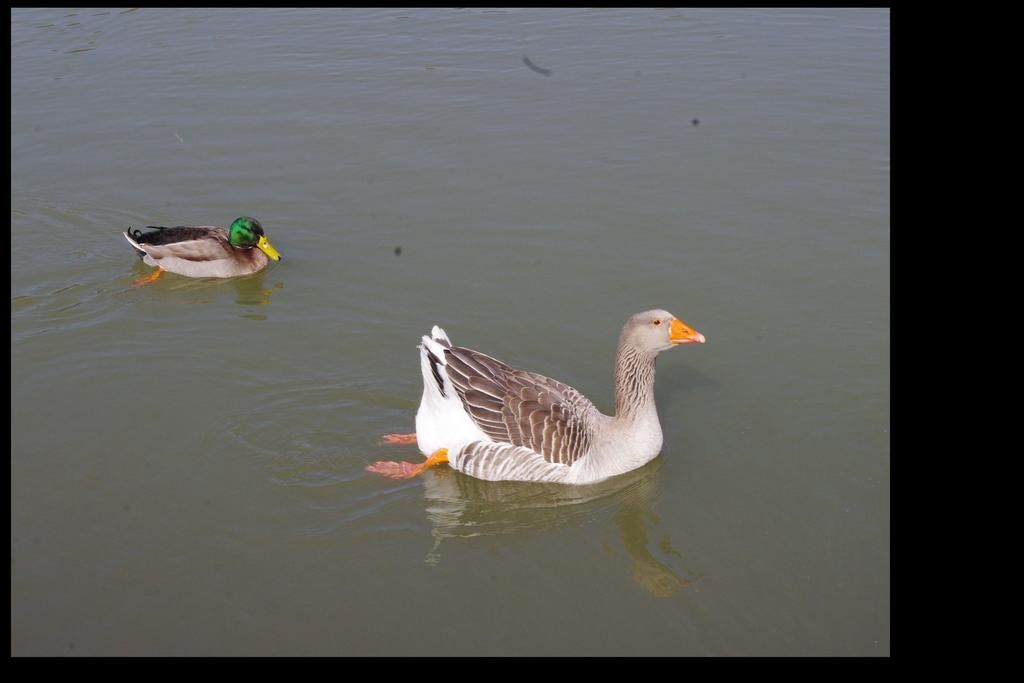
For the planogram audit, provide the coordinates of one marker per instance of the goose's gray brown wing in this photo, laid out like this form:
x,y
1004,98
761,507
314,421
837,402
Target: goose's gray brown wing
x,y
522,408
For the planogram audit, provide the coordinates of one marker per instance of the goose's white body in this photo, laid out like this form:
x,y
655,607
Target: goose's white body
x,y
499,423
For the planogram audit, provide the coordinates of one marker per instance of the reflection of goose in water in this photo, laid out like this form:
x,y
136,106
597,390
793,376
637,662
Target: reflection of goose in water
x,y
460,507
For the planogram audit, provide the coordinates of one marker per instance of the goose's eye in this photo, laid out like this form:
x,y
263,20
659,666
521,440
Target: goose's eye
x,y
657,322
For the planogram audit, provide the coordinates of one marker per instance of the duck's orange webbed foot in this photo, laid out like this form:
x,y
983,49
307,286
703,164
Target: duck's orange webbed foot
x,y
407,470
149,278
399,438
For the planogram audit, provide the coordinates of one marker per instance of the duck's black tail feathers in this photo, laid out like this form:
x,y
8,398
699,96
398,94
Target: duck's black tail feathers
x,y
159,234
133,235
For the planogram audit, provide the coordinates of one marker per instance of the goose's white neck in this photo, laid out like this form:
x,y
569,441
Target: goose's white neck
x,y
633,436
634,386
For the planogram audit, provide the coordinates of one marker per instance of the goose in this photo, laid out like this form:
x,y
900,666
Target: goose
x,y
494,422
204,250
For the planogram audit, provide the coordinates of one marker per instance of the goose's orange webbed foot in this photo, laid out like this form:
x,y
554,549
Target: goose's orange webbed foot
x,y
407,470
399,438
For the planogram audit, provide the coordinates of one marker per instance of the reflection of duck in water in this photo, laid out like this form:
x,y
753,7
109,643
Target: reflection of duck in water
x,y
461,507
251,290
494,422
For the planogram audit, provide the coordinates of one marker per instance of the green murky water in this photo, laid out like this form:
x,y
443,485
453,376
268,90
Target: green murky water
x,y
187,457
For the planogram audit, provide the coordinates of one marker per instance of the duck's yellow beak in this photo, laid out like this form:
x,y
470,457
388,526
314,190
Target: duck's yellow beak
x,y
681,333
265,247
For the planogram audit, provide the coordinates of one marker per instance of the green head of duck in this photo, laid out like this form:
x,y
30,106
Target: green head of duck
x,y
247,232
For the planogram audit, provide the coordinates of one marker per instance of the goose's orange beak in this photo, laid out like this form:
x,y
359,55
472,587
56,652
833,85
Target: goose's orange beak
x,y
681,333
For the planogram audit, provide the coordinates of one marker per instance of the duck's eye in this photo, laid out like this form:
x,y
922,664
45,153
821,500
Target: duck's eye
x,y
657,322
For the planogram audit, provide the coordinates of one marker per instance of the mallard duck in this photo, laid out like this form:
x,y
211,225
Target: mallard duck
x,y
205,250
491,421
